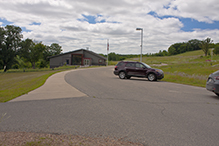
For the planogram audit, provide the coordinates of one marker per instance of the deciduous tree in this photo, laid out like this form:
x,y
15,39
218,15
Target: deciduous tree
x,y
216,49
172,50
10,37
205,45
31,51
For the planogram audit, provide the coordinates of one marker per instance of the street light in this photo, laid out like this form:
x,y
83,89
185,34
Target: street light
x,y
141,41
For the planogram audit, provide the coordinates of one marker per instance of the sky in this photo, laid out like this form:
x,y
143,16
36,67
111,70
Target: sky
x,y
88,24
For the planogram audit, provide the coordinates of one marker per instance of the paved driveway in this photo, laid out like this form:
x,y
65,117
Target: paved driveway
x,y
153,113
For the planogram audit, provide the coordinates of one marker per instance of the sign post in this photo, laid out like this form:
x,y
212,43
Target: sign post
x,y
107,51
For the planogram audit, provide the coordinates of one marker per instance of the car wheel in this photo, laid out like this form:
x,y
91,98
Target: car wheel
x,y
217,94
152,77
122,75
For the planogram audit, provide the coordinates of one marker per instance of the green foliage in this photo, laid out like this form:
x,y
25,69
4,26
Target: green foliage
x,y
31,51
115,57
28,51
10,37
161,53
216,50
205,45
53,49
178,48
193,45
172,50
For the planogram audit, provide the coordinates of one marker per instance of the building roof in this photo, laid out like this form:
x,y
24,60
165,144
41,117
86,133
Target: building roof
x,y
77,51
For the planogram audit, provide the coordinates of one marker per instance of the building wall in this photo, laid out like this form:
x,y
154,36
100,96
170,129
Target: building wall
x,y
60,60
94,59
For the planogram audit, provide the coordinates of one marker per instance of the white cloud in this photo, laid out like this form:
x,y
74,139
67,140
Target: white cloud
x,y
59,22
201,10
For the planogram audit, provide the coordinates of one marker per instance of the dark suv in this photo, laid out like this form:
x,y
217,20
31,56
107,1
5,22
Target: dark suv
x,y
127,69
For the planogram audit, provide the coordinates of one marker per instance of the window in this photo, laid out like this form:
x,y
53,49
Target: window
x,y
67,61
120,64
76,59
139,65
130,64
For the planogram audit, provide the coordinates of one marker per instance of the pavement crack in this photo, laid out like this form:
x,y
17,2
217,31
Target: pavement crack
x,y
162,111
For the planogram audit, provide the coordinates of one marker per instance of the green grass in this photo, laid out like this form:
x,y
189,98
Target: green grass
x,y
16,82
191,68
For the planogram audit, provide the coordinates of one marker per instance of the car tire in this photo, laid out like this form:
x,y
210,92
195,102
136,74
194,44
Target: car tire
x,y
122,75
152,77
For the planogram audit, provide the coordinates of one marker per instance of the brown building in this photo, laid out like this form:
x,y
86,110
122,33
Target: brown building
x,y
78,57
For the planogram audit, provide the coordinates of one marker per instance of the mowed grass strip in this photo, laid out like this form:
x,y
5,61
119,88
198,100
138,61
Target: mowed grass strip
x,y
13,85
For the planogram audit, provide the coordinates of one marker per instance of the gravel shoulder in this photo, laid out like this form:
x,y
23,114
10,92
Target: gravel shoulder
x,y
42,139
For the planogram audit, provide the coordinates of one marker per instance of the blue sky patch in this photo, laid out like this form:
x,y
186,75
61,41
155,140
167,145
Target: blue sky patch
x,y
189,24
35,23
92,19
5,22
25,30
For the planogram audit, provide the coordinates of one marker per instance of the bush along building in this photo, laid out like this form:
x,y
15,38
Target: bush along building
x,y
80,57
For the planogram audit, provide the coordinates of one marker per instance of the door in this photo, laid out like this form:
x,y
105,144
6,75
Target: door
x,y
87,62
140,70
130,68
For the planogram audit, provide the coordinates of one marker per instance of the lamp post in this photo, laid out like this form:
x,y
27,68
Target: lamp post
x,y
141,41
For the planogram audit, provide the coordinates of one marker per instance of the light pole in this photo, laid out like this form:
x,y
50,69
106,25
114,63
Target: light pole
x,y
141,41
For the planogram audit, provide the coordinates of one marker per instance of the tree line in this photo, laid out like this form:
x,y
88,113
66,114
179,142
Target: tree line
x,y
17,53
174,49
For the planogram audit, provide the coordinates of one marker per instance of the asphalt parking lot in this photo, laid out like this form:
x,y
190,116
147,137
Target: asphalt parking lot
x,y
153,113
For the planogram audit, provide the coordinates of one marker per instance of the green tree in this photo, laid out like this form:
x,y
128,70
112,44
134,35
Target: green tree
x,y
36,53
193,44
183,48
216,50
113,57
20,62
205,45
31,51
10,37
172,50
53,49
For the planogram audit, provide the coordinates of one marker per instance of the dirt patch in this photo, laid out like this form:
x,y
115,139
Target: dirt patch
x,y
162,64
40,139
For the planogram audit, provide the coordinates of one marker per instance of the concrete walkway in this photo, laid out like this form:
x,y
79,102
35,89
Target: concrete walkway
x,y
55,87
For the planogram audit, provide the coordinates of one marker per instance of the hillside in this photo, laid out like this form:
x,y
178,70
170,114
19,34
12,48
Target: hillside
x,y
191,68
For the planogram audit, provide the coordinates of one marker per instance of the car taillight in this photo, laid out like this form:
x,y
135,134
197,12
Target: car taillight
x,y
115,67
216,78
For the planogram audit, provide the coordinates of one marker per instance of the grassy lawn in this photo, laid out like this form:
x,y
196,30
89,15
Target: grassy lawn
x,y
191,68
17,82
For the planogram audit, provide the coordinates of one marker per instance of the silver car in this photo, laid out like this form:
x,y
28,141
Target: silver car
x,y
213,83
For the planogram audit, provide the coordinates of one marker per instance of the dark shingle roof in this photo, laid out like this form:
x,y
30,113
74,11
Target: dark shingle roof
x,y
77,51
